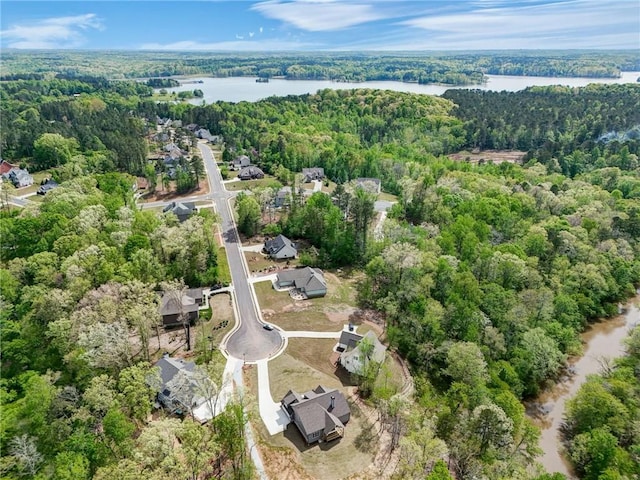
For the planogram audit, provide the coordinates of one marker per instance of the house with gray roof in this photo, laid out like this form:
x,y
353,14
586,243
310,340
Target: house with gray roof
x,y
172,310
283,197
353,358
311,174
308,281
319,414
280,248
179,392
182,210
46,186
19,177
250,173
240,162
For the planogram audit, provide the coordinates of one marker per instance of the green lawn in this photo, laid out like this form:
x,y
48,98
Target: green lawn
x,y
315,314
251,184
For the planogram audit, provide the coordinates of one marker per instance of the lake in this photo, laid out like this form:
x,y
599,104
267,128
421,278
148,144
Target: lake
x,y
237,89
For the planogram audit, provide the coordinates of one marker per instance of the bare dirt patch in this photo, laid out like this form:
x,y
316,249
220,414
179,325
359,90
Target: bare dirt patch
x,y
489,156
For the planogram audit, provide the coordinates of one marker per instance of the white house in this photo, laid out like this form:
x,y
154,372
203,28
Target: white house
x,y
352,358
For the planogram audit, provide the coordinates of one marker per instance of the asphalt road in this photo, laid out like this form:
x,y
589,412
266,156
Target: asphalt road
x,y
250,342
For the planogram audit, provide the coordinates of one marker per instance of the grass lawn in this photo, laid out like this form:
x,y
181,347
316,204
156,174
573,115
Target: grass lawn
x,y
224,274
251,184
387,196
328,313
286,454
258,262
208,334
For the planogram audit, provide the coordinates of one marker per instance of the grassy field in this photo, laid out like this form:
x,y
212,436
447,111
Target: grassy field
x,y
328,313
251,184
286,454
224,274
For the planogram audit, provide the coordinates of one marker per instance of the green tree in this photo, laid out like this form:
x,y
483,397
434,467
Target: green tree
x,y
52,149
248,215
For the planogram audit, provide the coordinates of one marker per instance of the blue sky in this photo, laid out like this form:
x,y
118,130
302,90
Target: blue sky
x,y
279,25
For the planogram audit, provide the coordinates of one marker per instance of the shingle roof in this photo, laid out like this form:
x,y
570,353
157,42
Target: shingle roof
x,y
278,243
313,410
306,278
180,208
170,306
169,368
350,339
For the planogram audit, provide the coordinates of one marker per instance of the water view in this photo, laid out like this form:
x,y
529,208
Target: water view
x,y
238,89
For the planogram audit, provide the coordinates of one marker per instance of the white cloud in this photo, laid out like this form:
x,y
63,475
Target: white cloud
x,y
56,32
261,30
561,24
234,46
318,15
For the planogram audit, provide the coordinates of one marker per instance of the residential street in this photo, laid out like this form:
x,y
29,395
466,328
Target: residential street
x,y
250,342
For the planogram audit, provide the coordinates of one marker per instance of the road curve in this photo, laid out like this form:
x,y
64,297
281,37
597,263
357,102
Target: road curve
x,y
250,341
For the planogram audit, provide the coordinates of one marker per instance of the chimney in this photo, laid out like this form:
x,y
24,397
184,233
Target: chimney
x,y
333,403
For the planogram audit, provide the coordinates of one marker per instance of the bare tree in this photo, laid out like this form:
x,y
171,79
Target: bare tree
x,y
25,451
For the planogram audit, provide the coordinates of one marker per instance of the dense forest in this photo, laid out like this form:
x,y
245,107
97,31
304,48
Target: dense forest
x,y
436,67
484,274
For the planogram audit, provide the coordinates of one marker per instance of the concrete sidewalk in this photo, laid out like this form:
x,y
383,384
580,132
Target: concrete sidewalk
x,y
272,414
305,334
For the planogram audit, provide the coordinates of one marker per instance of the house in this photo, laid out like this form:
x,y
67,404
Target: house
x,y
320,414
240,162
47,185
205,134
280,248
311,174
348,338
182,210
192,127
171,310
5,167
250,173
170,146
283,197
175,154
308,281
179,392
353,358
372,185
19,177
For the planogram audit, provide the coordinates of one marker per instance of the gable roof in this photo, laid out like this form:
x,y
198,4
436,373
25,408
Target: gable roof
x,y
241,161
305,279
5,167
169,368
313,410
313,173
350,339
169,305
276,244
251,171
180,208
